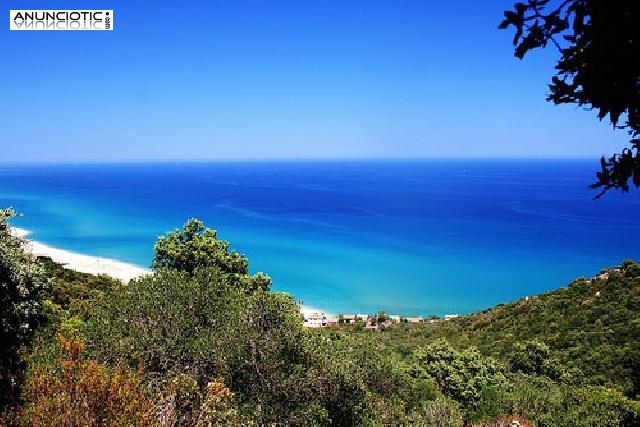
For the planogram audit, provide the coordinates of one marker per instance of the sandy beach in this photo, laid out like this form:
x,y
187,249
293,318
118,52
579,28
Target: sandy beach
x,y
83,263
98,265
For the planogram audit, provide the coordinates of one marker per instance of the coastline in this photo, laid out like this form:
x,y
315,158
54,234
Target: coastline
x,y
98,265
82,263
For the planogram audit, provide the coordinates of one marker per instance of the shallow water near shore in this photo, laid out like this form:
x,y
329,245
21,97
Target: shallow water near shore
x,y
409,237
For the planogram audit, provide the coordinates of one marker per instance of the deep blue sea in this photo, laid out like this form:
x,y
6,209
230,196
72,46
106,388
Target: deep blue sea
x,y
409,237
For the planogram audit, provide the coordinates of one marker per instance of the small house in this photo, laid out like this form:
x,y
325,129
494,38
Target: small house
x,y
315,320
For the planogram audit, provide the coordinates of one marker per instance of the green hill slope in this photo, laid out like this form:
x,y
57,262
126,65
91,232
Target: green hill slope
x,y
591,327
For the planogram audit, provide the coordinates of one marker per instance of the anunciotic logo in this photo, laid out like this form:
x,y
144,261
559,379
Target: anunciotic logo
x,y
61,19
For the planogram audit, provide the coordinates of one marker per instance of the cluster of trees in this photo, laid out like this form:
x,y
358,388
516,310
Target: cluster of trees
x,y
200,341
587,331
566,357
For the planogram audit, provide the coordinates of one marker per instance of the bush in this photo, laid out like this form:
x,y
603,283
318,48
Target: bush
x,y
75,392
534,357
441,412
461,375
203,326
21,283
546,402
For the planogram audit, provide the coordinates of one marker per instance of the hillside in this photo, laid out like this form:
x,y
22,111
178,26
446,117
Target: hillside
x,y
200,341
592,329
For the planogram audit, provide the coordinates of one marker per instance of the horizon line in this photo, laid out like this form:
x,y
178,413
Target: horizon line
x,y
289,160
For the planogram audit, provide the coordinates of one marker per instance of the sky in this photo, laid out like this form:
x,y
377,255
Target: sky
x,y
299,79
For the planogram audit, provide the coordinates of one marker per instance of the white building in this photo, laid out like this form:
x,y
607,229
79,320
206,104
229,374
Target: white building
x,y
348,319
315,320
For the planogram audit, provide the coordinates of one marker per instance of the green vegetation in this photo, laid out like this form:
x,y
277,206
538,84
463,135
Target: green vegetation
x,y
586,333
598,68
201,342
562,353
21,284
196,247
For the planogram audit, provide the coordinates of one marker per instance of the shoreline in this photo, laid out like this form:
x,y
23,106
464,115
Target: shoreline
x,y
82,263
98,265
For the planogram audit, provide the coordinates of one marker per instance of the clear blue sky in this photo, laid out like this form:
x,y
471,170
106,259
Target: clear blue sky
x,y
294,79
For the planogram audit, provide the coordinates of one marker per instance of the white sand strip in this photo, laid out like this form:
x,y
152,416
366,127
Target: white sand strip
x,y
83,263
97,265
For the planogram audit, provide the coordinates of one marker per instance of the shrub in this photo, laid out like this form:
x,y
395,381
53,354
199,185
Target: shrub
x,y
461,375
21,283
440,412
77,392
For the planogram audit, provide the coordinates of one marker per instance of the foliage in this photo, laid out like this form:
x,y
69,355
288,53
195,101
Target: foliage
x,y
546,402
440,412
21,283
68,300
586,332
503,421
363,383
172,322
184,404
599,45
462,375
534,357
195,348
567,357
74,291
196,247
66,304
75,392
599,314
216,408
203,326
200,326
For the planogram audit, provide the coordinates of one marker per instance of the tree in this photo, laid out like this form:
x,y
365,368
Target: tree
x,y
461,375
203,326
599,67
21,283
197,247
534,357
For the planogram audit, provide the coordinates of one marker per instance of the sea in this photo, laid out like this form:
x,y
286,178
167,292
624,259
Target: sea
x,y
414,237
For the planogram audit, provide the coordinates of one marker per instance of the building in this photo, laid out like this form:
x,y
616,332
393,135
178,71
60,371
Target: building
x,y
348,319
315,320
451,316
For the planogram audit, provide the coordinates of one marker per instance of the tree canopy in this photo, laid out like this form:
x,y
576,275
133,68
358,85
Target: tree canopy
x,y
198,247
598,68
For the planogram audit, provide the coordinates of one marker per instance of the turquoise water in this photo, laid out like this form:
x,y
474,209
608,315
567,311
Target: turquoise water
x,y
410,237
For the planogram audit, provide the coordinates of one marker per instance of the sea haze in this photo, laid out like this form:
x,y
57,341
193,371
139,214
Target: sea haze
x,y
409,237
